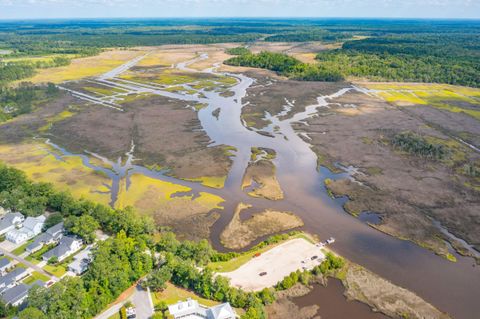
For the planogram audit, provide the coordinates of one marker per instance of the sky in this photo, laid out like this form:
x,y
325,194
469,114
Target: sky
x,y
32,9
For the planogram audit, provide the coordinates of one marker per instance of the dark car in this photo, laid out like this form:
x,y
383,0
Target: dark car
x,y
263,273
314,257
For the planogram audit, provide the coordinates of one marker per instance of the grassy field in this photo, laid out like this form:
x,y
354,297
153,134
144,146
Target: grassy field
x,y
443,96
85,67
34,276
36,160
172,294
21,249
57,271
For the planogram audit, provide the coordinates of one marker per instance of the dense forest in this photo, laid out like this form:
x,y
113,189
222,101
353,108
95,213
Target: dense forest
x,y
286,65
452,59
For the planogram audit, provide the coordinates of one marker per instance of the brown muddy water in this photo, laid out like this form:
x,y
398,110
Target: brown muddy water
x,y
452,287
333,305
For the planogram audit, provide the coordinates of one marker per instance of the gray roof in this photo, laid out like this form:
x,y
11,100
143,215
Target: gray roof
x,y
223,311
53,233
15,294
4,262
61,249
7,220
10,277
39,241
55,230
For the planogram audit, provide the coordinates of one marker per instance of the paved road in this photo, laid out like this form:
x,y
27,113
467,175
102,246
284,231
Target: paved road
x,y
141,300
28,264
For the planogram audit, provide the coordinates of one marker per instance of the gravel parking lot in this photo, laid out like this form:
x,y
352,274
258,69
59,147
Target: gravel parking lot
x,y
278,262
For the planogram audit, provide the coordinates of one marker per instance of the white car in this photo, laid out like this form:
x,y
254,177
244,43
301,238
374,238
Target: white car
x,y
331,240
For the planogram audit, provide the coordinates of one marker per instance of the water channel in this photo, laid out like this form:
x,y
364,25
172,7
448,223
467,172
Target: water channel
x,y
452,287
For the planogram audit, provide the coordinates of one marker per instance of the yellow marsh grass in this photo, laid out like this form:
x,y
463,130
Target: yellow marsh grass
x,y
150,195
41,166
85,67
442,96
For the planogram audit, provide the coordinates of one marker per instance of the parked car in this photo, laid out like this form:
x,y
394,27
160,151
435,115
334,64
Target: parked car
x,y
331,240
263,273
314,257
131,313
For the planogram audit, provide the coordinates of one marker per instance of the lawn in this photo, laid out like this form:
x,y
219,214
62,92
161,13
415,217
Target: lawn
x,y
57,271
173,294
21,249
37,256
34,277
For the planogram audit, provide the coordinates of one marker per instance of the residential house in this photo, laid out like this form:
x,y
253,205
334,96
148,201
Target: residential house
x,y
32,226
66,247
10,221
11,278
81,261
50,236
191,309
15,296
5,264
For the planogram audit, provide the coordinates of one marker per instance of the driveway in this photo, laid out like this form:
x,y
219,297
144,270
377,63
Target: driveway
x,y
141,300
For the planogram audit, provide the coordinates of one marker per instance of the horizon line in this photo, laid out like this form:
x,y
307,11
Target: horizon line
x,y
242,17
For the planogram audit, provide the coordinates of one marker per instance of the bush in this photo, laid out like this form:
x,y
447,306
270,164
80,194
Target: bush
x,y
238,51
417,145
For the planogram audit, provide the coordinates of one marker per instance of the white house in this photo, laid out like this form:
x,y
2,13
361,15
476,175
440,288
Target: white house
x,y
81,261
68,246
10,221
32,226
191,309
5,264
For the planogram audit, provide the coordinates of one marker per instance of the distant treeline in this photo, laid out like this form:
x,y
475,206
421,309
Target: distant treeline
x,y
286,65
452,59
314,35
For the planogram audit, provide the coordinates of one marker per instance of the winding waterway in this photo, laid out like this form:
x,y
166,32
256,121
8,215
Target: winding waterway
x,y
452,287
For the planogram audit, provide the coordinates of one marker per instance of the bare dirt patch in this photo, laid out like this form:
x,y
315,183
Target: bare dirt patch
x,y
277,262
240,233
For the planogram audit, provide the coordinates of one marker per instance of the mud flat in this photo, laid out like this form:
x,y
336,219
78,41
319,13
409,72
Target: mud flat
x,y
240,233
166,134
261,171
283,97
285,306
408,192
383,296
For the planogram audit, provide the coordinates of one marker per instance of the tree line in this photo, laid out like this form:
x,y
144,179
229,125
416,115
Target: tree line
x,y
438,58
286,65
